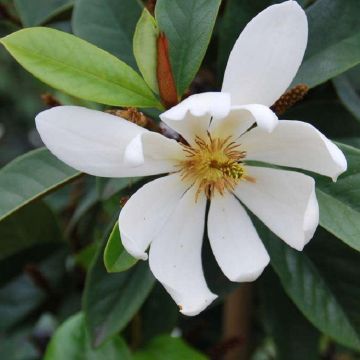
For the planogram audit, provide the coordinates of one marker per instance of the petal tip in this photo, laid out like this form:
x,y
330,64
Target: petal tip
x,y
250,276
131,247
342,168
193,311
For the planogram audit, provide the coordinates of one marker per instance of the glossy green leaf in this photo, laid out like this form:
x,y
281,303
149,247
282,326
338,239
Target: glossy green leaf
x,y
188,25
145,48
71,341
37,12
338,265
108,24
324,114
78,68
166,347
285,323
313,294
334,41
159,314
340,202
32,225
116,258
348,94
29,177
111,300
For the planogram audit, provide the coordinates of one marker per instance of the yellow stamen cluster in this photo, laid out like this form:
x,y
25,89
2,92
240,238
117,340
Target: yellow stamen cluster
x,y
213,165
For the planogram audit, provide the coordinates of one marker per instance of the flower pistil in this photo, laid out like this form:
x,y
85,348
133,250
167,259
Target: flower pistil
x,y
213,164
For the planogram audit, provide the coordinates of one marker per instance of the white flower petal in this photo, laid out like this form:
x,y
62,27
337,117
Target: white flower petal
x,y
151,153
192,116
284,201
236,245
95,142
88,140
295,144
175,255
241,118
267,55
147,211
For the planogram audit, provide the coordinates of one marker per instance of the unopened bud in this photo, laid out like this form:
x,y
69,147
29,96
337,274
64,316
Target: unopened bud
x,y
166,82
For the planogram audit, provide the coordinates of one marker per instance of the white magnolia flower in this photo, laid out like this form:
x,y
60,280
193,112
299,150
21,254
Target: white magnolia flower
x,y
168,214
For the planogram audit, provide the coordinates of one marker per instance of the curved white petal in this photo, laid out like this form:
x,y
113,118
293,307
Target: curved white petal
x,y
295,144
175,255
284,201
233,238
95,142
151,153
267,55
192,116
88,140
147,211
241,118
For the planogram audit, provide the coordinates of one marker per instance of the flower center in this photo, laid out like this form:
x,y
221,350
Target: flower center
x,y
213,164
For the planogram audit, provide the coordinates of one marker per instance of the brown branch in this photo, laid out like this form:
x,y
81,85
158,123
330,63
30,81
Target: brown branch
x,y
237,322
5,14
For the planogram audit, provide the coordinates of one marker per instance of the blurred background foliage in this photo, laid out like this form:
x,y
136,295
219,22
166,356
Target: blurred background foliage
x,y
52,273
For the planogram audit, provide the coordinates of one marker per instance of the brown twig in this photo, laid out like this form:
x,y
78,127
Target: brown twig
x,y
6,14
38,278
150,6
237,322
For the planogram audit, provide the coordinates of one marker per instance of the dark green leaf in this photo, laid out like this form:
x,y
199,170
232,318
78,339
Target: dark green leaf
x,y
86,256
348,94
294,336
37,12
111,300
188,25
14,265
30,226
30,176
332,48
108,24
324,114
159,314
166,347
71,341
116,258
24,294
78,68
338,265
311,292
18,346
340,202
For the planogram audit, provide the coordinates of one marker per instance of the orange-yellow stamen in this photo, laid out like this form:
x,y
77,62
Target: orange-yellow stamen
x,y
213,164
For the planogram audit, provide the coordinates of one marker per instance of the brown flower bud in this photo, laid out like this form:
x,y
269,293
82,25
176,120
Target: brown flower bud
x,y
290,98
